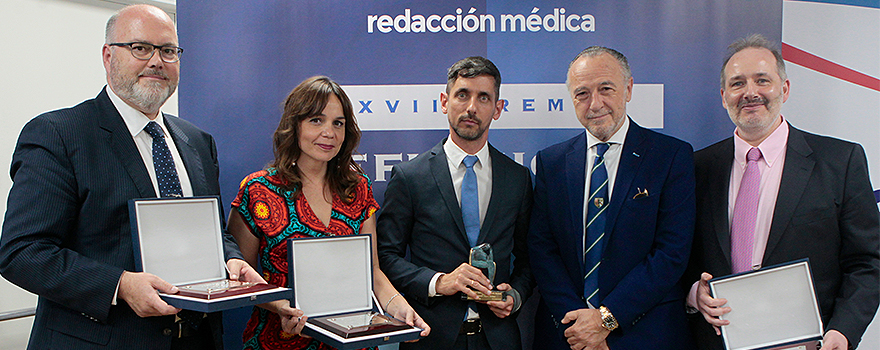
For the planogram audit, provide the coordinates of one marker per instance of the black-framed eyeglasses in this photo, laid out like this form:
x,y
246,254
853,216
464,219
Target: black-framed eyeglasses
x,y
144,51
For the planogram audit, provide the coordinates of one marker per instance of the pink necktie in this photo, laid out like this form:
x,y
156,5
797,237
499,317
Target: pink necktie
x,y
745,213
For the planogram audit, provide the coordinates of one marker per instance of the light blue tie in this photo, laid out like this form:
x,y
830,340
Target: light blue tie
x,y
594,242
166,172
470,201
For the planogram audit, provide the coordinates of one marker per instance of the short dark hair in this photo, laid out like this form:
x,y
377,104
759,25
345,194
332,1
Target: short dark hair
x,y
596,50
306,100
754,41
472,67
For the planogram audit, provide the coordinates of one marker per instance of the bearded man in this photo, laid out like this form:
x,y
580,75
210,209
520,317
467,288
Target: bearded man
x,y
66,236
458,195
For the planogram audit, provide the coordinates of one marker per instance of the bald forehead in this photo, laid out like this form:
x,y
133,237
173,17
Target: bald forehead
x,y
137,21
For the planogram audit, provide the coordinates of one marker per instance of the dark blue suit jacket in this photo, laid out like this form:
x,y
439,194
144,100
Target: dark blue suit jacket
x,y
422,213
648,239
66,235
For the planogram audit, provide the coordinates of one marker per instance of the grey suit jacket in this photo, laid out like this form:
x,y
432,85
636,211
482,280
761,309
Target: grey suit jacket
x,y
66,236
422,213
825,211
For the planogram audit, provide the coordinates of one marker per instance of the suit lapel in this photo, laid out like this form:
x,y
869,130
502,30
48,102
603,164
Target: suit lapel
x,y
188,155
795,175
719,191
443,181
634,148
500,170
122,145
575,177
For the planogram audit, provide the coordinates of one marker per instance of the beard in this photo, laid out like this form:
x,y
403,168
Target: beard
x,y
146,96
469,134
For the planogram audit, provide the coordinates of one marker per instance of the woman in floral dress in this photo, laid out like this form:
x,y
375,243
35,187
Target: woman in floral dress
x,y
312,188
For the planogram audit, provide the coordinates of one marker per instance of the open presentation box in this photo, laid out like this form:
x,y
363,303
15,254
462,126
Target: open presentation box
x,y
772,308
180,240
332,282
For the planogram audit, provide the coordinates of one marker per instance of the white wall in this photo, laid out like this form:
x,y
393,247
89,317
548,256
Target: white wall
x,y
52,60
827,105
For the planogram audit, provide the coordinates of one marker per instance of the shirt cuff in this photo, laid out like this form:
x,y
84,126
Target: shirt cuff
x,y
116,293
692,298
432,286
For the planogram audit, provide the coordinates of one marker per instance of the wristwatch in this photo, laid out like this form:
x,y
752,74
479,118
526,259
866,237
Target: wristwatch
x,y
608,320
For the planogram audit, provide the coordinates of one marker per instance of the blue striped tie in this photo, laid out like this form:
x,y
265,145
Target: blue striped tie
x,y
593,244
166,172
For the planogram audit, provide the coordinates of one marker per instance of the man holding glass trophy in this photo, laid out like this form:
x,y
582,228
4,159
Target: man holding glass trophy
x,y
448,206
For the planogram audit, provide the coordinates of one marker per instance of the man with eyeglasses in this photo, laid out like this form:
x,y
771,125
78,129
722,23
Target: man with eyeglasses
x,y
66,235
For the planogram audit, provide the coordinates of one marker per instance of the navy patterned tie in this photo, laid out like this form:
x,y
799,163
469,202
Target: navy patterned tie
x,y
166,172
593,243
169,186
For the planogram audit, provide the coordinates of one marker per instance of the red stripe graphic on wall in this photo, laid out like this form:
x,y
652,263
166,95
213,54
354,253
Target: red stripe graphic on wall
x,y
821,65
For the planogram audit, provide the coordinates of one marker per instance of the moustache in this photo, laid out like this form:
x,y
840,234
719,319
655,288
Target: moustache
x,y
750,100
593,115
470,117
154,72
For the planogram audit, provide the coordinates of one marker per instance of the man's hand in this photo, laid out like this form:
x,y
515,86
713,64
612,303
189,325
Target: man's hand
x,y
460,279
834,340
710,307
241,270
587,331
504,307
138,289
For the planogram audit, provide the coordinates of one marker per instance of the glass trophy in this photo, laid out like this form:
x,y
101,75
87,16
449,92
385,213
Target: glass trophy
x,y
481,257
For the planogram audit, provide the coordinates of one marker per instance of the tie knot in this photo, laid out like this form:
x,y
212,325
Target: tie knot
x,y
754,155
154,130
601,148
469,161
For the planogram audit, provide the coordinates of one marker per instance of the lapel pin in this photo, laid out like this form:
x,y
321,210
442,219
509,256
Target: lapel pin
x,y
636,154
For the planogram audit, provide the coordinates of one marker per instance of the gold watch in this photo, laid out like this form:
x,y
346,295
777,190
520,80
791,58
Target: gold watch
x,y
608,320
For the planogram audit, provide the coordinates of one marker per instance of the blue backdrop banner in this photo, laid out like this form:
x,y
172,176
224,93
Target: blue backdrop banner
x,y
243,58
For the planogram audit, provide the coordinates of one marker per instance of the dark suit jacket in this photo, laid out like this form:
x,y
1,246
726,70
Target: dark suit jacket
x,y
66,235
647,239
825,211
422,213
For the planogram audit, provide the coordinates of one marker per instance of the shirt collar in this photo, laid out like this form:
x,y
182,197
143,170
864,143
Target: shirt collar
x,y
455,154
771,148
134,120
618,138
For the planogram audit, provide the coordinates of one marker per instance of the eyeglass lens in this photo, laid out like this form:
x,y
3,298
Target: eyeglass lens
x,y
145,51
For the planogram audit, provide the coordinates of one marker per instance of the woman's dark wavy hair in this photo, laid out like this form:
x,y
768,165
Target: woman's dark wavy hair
x,y
308,99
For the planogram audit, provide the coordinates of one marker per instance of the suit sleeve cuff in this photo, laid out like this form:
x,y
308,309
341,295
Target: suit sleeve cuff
x,y
517,300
